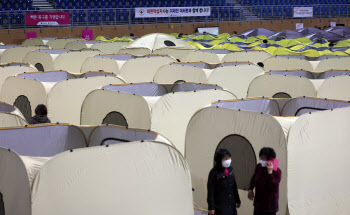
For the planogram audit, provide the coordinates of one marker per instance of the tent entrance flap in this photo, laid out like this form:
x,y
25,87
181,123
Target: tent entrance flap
x,y
23,104
243,158
115,118
39,67
169,43
281,95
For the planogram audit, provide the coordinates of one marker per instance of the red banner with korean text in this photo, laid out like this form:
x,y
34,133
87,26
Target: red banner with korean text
x,y
48,18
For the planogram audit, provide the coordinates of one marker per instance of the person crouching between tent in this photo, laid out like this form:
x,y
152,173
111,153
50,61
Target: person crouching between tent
x,y
266,180
40,115
223,197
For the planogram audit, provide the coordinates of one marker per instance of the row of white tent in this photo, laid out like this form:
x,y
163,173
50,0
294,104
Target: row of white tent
x,y
109,174
55,59
243,80
165,109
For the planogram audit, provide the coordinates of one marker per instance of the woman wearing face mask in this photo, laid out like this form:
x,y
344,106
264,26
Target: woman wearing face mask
x,y
266,183
223,197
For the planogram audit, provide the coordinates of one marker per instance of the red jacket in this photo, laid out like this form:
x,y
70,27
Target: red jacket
x,y
266,189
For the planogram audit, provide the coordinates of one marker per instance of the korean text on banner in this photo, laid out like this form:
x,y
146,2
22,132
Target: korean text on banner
x,y
87,34
153,12
48,18
303,12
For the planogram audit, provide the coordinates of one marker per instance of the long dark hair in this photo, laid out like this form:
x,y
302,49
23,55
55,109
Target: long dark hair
x,y
219,155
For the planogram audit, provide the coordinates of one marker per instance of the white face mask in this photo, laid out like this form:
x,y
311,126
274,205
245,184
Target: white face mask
x,y
263,163
226,163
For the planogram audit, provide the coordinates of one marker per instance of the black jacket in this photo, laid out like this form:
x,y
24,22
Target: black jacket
x,y
2,207
222,192
37,119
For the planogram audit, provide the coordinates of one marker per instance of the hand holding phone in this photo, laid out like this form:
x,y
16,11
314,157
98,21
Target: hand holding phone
x,y
269,168
273,165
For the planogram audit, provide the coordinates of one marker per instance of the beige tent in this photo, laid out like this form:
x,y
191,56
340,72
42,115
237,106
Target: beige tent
x,y
221,53
167,115
61,43
206,67
14,183
247,56
79,45
207,57
172,112
281,63
152,42
235,79
242,134
4,48
110,47
106,63
143,69
74,91
117,171
63,97
280,86
23,151
10,116
16,54
335,88
316,141
11,70
33,42
117,108
10,119
340,63
73,60
174,72
43,60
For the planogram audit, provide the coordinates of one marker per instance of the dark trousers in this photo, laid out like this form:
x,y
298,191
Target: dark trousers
x,y
264,213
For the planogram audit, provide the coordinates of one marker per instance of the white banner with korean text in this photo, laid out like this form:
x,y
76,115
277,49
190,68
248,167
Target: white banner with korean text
x,y
153,12
303,12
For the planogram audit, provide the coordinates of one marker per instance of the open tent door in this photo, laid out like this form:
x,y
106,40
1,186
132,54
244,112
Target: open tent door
x,y
23,104
115,118
39,67
243,158
281,95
